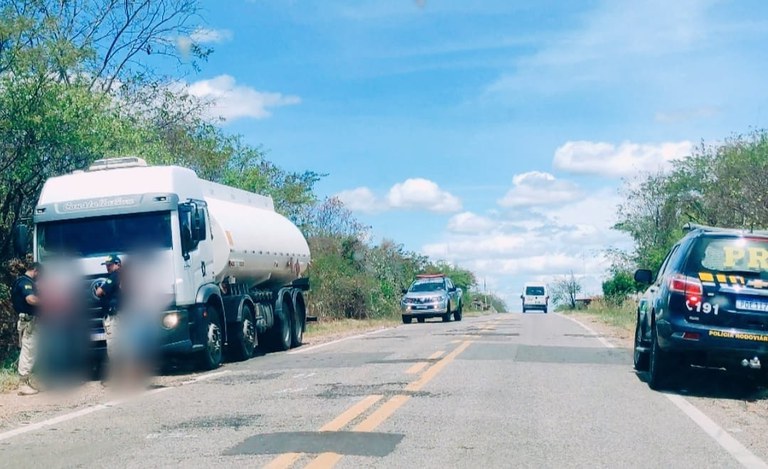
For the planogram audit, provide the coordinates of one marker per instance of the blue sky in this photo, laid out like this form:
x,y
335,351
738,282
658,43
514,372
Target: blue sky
x,y
494,134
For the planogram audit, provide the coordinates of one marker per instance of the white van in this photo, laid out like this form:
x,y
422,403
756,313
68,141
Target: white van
x,y
535,297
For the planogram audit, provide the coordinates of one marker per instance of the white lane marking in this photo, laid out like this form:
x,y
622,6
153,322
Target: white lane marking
x,y
729,443
89,410
590,330
722,437
343,339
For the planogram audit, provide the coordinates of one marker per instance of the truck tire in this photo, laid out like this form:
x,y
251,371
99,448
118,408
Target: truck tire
x,y
210,358
245,340
297,323
281,330
447,317
407,319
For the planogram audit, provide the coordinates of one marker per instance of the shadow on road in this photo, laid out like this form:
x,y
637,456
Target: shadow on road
x,y
715,384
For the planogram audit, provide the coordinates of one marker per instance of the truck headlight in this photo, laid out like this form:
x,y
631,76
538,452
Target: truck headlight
x,y
171,320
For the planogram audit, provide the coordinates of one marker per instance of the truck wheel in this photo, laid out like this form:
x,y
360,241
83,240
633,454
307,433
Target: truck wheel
x,y
297,324
421,320
281,330
245,336
447,317
210,358
407,319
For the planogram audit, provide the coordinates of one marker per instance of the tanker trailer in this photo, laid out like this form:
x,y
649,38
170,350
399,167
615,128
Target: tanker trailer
x,y
228,267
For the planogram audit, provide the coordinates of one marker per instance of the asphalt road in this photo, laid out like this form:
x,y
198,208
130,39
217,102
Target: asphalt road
x,y
507,390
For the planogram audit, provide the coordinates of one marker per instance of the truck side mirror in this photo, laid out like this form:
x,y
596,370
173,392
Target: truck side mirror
x,y
405,290
198,224
186,241
643,276
20,240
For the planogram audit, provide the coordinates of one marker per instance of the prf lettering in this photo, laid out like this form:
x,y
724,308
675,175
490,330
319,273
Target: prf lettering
x,y
757,258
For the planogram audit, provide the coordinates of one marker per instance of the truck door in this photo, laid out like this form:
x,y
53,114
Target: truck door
x,y
196,247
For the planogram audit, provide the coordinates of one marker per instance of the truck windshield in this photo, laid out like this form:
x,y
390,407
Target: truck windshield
x,y
103,235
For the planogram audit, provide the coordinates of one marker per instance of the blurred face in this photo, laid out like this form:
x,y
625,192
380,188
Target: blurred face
x,y
33,273
112,267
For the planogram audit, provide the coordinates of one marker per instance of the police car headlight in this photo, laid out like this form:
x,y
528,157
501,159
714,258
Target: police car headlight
x,y
171,320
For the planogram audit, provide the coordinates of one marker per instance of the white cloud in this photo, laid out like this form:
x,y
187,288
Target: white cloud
x,y
201,36
468,222
418,193
538,188
606,159
206,36
360,199
232,101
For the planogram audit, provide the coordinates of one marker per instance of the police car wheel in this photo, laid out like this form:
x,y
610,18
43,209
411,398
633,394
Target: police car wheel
x,y
457,313
641,358
659,369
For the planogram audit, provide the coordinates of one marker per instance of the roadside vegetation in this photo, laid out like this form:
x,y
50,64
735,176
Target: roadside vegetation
x,y
87,79
720,184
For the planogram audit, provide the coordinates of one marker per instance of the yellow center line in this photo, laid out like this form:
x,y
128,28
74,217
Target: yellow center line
x,y
349,415
283,461
324,461
437,355
432,371
286,460
418,366
329,460
382,413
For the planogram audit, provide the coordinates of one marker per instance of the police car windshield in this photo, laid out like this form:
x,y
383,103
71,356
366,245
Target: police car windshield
x,y
729,254
103,235
427,285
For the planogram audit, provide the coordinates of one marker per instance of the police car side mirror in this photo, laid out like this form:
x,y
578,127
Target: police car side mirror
x,y
20,240
643,276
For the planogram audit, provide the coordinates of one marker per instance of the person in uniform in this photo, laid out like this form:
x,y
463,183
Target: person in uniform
x,y
25,301
109,293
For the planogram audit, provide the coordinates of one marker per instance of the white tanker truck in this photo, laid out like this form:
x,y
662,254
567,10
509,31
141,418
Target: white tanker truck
x,y
230,267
